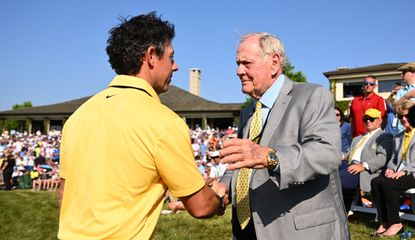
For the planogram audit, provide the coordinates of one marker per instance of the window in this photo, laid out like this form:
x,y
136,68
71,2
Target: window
x,y
386,86
352,89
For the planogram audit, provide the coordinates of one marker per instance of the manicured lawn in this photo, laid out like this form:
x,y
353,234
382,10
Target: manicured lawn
x,y
33,215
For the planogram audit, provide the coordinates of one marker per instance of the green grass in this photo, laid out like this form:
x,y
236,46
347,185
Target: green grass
x,y
28,215
33,215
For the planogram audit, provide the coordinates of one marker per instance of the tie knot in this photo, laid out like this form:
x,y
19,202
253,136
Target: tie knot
x,y
258,106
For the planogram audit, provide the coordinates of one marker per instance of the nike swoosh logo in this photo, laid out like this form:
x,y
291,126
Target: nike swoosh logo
x,y
108,96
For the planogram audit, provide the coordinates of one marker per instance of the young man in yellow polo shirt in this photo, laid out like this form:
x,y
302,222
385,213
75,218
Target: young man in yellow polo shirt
x,y
122,149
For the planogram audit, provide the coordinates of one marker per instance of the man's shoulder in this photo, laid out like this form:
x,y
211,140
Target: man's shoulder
x,y
303,85
357,98
305,89
377,96
382,134
384,137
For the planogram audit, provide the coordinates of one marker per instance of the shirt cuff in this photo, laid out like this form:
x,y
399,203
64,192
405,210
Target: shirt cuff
x,y
366,166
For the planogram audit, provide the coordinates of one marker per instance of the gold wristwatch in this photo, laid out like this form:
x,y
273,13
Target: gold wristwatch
x,y
272,159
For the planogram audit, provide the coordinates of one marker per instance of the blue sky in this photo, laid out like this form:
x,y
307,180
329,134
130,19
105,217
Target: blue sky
x,y
53,51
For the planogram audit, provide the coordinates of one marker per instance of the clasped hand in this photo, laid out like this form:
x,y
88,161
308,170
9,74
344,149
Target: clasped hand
x,y
222,191
243,153
390,173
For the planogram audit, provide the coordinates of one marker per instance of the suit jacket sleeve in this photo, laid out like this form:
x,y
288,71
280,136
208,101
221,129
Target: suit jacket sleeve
x,y
384,150
317,150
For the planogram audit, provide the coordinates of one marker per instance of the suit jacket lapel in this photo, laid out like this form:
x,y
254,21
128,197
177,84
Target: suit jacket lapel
x,y
370,142
410,152
246,118
277,111
354,142
273,121
399,142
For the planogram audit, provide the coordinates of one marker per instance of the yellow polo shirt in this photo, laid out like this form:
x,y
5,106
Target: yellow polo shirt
x,y
120,151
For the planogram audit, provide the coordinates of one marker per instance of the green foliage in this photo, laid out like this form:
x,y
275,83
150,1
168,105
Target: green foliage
x,y
343,105
26,104
27,215
248,100
297,76
9,124
13,124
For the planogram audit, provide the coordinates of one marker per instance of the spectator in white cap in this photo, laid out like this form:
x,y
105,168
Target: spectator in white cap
x,y
217,169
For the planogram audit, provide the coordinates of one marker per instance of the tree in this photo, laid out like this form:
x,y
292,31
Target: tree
x,y
13,124
295,76
26,104
289,72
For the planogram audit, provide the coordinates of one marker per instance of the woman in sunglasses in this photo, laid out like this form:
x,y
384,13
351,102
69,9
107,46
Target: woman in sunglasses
x,y
398,177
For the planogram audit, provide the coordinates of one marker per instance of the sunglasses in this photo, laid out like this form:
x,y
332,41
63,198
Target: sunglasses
x,y
337,114
369,83
365,119
401,116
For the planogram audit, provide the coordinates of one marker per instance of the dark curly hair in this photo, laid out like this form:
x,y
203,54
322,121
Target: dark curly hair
x,y
129,41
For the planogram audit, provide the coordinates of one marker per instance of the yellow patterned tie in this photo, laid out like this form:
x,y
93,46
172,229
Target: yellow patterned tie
x,y
243,210
359,145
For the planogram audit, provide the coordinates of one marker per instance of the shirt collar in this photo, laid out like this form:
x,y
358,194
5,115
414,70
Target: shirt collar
x,y
373,132
135,82
269,97
409,134
407,87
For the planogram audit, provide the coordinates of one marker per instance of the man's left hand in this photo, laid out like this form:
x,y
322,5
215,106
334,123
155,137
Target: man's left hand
x,y
355,168
243,153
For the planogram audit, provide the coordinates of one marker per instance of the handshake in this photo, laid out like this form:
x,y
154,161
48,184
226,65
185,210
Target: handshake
x,y
222,195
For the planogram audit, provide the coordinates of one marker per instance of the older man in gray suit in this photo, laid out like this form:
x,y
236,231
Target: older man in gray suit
x,y
289,155
370,152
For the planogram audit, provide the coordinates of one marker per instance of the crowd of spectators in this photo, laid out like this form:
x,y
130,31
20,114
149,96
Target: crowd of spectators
x,y
31,161
378,150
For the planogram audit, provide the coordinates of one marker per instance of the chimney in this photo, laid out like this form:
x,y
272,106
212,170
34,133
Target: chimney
x,y
194,81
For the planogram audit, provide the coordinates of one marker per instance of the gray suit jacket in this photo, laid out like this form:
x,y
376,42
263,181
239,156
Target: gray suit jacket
x,y
394,163
376,153
302,198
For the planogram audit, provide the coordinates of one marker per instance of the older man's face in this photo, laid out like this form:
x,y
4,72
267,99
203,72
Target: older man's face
x,y
371,124
257,73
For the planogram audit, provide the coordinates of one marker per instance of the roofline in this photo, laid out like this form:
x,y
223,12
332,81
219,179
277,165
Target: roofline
x,y
372,68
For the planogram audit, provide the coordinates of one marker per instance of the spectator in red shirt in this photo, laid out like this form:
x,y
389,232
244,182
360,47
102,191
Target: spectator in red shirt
x,y
368,99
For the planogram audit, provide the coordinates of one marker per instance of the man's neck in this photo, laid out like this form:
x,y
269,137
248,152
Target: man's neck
x,y
367,94
411,82
374,130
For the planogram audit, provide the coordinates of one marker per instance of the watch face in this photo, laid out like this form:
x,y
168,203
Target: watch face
x,y
272,155
272,159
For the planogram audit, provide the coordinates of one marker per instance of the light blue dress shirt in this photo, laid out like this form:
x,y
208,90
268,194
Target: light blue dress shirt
x,y
268,99
270,96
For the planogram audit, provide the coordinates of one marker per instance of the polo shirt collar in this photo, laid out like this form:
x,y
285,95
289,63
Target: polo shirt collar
x,y
408,87
135,82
